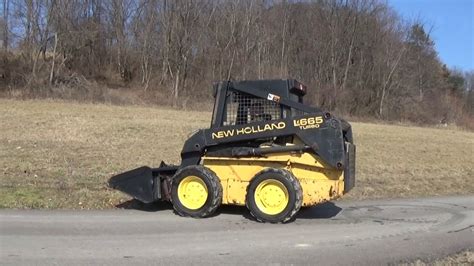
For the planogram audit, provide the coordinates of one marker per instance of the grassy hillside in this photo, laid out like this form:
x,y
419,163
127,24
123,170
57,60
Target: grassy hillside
x,y
59,155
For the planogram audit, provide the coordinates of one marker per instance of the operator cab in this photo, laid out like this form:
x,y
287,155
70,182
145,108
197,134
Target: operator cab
x,y
244,102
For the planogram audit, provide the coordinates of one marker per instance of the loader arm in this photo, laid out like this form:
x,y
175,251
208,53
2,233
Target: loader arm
x,y
326,140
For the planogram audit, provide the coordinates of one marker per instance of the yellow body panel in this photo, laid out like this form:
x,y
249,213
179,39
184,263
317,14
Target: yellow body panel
x,y
319,182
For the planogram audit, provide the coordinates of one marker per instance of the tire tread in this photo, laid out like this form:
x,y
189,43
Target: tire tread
x,y
216,190
298,200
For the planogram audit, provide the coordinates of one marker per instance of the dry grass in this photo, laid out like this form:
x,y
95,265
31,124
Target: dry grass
x,y
60,154
462,258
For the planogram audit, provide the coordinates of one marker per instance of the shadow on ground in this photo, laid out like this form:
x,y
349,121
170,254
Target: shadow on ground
x,y
324,210
235,210
134,204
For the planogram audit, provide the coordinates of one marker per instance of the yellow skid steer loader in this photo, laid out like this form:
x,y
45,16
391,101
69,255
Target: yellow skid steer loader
x,y
264,149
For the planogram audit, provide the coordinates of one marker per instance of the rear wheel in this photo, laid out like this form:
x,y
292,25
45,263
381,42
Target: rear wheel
x,y
196,192
274,195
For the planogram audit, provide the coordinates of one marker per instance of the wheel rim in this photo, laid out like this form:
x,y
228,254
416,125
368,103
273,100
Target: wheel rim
x,y
271,196
192,192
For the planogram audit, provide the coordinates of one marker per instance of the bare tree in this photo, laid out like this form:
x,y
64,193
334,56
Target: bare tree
x,y
5,20
358,56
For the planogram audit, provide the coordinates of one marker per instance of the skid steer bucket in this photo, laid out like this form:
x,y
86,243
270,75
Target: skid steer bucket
x,y
137,183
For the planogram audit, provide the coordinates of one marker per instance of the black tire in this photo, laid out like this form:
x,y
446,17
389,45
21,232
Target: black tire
x,y
214,188
295,195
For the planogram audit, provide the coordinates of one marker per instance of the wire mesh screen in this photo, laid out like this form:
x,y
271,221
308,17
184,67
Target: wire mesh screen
x,y
243,109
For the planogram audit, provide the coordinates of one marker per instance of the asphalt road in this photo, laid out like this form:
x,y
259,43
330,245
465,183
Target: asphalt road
x,y
365,233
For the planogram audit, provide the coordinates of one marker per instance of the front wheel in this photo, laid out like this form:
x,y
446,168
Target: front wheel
x,y
274,195
196,192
